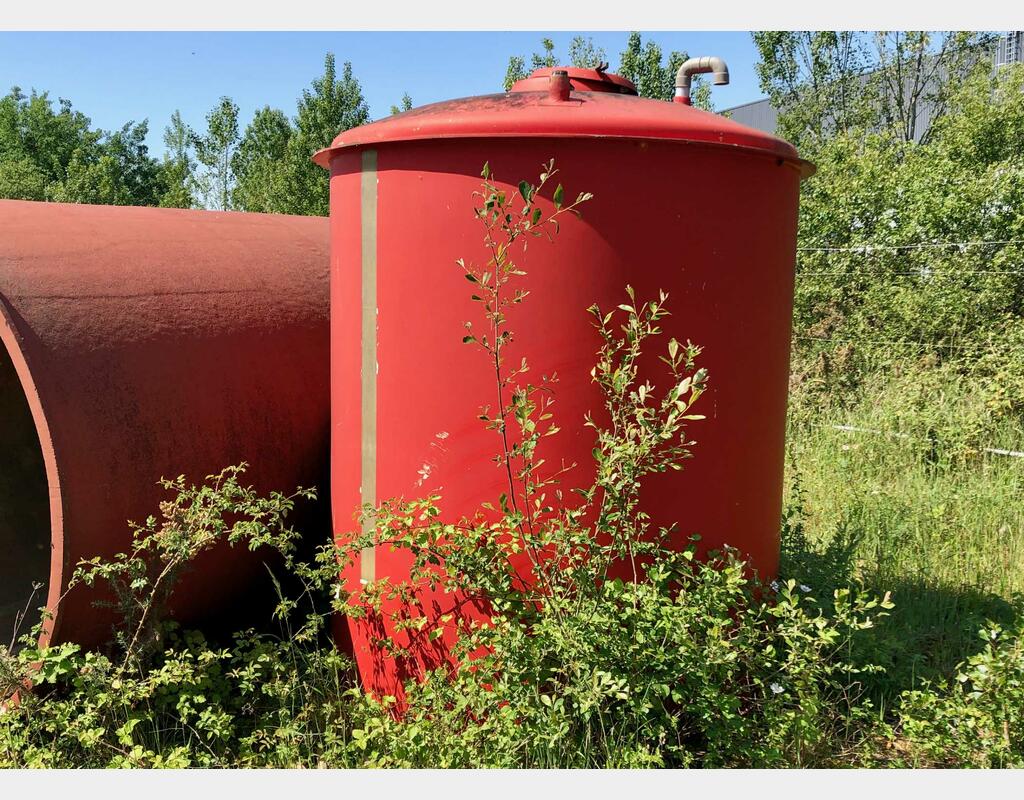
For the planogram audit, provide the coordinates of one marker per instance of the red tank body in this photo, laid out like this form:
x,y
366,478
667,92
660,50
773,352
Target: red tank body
x,y
140,343
684,201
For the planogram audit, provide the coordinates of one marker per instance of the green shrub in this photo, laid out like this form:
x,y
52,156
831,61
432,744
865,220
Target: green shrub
x,y
161,698
975,720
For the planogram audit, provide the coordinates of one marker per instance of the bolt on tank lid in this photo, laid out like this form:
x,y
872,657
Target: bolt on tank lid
x,y
564,102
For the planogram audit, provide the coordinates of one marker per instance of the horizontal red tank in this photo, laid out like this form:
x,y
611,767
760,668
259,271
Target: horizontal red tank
x,y
684,201
141,343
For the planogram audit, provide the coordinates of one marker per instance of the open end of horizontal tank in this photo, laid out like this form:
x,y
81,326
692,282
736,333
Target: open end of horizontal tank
x,y
24,508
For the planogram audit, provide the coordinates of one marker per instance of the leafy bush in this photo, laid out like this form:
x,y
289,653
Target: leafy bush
x,y
162,698
976,720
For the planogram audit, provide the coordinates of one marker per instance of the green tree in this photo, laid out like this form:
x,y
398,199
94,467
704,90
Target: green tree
x,y
829,82
818,81
215,150
119,171
48,153
29,127
334,104
258,162
922,68
516,69
37,143
405,106
91,180
584,53
642,64
140,173
21,179
547,58
177,172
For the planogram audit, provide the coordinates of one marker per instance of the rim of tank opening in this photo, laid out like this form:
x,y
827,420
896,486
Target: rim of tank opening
x,y
10,341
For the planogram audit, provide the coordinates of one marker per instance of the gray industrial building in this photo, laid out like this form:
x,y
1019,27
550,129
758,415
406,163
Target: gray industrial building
x,y
761,115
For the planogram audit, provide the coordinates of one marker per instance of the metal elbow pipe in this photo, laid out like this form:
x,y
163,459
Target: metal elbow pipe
x,y
694,66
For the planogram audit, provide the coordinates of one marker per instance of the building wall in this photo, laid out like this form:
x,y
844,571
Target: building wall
x,y
762,116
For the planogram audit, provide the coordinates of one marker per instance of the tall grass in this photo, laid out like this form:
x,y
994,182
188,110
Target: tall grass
x,y
896,491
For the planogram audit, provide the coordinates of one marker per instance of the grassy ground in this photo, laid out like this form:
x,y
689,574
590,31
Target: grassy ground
x,y
939,524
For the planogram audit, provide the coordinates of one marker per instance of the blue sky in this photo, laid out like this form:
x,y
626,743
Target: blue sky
x,y
116,77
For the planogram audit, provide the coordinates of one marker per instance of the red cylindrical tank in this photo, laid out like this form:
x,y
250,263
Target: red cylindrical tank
x,y
684,201
141,343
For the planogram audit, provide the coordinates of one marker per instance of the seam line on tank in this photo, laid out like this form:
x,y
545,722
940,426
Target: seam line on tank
x,y
124,295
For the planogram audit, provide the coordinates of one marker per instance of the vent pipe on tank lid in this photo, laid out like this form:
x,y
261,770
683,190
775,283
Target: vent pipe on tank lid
x,y
559,86
695,66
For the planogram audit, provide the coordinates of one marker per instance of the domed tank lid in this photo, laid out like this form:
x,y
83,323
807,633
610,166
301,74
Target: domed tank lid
x,y
563,102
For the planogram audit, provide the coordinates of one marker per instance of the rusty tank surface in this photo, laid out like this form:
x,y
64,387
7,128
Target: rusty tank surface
x,y
140,343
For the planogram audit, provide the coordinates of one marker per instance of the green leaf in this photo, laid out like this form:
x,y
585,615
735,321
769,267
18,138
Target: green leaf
x,y
558,195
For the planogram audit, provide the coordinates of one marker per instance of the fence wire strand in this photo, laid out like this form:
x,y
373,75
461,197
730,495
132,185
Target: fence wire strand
x,y
899,342
924,273
998,451
867,249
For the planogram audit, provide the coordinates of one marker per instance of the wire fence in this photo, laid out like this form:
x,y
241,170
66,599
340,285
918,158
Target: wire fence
x,y
811,257
997,451
924,271
866,249
919,273
910,345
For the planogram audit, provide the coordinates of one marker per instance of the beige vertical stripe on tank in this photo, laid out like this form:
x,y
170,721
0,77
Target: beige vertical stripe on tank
x,y
368,453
